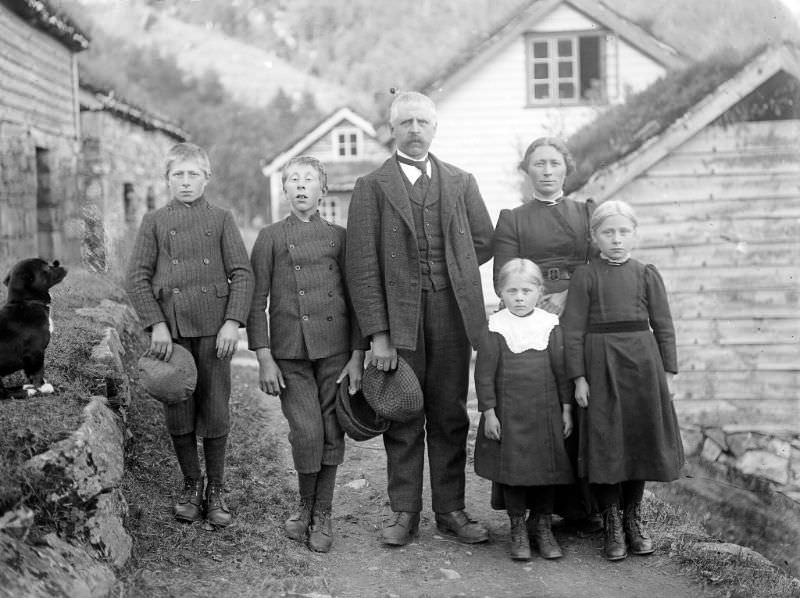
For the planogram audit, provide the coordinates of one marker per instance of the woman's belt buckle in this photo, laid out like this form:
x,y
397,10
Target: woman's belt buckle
x,y
554,274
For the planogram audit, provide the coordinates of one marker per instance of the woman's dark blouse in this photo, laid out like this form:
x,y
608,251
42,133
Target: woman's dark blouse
x,y
552,236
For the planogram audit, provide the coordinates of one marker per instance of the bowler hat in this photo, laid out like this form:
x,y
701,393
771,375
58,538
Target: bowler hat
x,y
170,381
358,420
395,395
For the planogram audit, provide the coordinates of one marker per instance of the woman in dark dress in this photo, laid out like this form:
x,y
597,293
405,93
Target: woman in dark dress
x,y
552,231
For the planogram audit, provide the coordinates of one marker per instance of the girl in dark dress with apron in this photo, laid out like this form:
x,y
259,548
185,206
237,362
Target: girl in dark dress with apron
x,y
620,352
524,397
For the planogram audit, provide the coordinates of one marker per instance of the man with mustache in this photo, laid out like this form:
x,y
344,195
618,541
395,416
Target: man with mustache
x,y
417,231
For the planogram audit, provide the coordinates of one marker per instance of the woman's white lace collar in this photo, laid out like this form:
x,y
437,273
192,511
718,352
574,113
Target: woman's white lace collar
x,y
524,333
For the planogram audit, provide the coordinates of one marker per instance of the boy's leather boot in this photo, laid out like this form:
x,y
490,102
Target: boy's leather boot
x,y
190,503
635,532
520,544
614,538
296,527
320,534
217,512
543,537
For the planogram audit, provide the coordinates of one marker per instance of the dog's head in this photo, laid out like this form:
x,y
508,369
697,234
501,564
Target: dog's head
x,y
32,279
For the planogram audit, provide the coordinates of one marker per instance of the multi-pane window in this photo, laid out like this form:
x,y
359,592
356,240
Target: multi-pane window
x,y
565,69
346,143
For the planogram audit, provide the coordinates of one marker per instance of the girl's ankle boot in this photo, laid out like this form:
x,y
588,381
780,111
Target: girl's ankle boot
x,y
543,537
520,545
635,532
614,538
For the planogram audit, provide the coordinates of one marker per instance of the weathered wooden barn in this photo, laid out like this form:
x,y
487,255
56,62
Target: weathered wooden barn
x,y
718,197
347,145
121,173
39,132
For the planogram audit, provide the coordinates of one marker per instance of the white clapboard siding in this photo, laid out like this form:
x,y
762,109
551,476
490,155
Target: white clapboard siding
x,y
720,252
727,358
37,75
678,211
720,219
729,186
746,303
716,412
732,332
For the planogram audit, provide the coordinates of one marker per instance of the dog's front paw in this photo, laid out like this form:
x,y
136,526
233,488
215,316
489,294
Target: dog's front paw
x,y
46,389
29,390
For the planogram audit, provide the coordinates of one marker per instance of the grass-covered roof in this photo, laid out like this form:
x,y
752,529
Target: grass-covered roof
x,y
626,127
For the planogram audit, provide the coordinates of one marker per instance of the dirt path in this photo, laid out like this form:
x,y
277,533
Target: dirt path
x,y
359,566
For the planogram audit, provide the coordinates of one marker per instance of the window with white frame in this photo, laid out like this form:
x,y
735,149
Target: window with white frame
x,y
566,68
347,143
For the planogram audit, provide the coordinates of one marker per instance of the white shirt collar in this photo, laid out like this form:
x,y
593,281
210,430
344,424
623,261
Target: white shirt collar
x,y
412,172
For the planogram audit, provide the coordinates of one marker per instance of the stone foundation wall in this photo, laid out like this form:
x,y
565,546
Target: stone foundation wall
x,y
81,477
767,453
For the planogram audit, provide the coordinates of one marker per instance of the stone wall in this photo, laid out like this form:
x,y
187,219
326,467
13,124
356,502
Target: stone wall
x,y
79,477
118,155
743,482
770,453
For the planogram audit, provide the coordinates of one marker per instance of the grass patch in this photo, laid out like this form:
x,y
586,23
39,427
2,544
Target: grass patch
x,y
723,575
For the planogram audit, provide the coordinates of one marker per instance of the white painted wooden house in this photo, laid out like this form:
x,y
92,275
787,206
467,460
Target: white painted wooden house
x,y
39,132
550,69
347,144
718,198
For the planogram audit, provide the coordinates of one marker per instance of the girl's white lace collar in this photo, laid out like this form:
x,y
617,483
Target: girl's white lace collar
x,y
524,333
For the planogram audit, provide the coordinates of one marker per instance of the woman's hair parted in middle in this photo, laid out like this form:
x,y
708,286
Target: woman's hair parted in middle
x,y
613,207
522,267
554,142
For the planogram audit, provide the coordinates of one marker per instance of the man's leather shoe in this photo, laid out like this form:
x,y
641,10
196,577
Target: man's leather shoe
x,y
402,529
190,503
217,512
462,526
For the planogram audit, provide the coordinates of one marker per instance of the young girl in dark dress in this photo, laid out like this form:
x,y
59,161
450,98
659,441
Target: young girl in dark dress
x,y
524,396
620,351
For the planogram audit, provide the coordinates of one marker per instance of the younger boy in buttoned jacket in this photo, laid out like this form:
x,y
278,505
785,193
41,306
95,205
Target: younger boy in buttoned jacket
x,y
310,343
190,281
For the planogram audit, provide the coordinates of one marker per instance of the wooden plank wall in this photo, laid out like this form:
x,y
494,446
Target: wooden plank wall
x,y
37,76
720,218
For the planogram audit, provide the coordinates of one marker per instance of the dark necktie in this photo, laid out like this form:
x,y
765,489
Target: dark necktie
x,y
421,184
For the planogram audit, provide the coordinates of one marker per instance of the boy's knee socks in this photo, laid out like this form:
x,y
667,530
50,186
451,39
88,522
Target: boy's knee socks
x,y
307,483
326,481
214,449
186,451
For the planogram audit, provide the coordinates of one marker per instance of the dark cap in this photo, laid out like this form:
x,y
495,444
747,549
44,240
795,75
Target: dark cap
x,y
358,420
170,381
394,395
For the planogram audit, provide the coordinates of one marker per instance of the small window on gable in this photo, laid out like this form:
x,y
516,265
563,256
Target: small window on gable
x,y
347,143
565,69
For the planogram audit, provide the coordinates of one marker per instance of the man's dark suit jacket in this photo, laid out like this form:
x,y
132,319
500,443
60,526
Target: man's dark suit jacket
x,y
383,262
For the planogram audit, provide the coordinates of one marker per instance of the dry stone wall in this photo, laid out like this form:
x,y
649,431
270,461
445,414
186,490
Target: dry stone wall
x,y
80,475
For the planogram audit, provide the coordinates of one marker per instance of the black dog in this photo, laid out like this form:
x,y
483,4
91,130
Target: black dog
x,y
25,321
